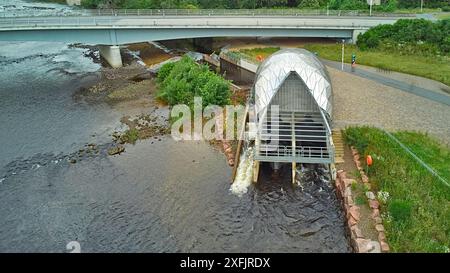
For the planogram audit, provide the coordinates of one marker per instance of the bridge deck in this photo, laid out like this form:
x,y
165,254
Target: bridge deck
x,y
121,29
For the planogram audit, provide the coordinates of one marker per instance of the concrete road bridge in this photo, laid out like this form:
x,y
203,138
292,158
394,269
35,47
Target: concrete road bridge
x,y
112,28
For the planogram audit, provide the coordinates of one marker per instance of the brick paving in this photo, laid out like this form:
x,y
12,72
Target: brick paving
x,y
359,101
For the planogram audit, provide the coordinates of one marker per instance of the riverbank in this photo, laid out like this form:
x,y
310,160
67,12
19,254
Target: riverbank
x,y
414,204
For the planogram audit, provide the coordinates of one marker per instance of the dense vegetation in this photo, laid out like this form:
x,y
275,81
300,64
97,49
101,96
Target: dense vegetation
x,y
416,208
387,5
409,37
426,3
181,81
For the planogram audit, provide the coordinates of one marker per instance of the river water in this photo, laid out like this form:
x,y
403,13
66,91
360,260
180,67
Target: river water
x,y
159,196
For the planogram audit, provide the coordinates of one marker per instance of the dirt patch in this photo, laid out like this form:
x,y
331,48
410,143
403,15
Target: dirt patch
x,y
114,85
133,90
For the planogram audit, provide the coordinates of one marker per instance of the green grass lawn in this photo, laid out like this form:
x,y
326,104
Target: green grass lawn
x,y
253,53
417,213
442,16
417,10
436,68
429,150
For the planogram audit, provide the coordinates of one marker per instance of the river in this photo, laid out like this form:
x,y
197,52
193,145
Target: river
x,y
158,196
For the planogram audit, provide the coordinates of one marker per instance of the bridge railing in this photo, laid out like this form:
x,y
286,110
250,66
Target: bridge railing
x,y
94,21
197,12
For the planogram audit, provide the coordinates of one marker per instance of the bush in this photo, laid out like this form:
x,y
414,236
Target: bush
x,y
427,4
164,71
312,4
180,82
348,4
354,137
388,6
418,36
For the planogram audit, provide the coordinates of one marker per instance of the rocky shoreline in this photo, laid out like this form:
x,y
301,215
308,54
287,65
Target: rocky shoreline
x,y
131,89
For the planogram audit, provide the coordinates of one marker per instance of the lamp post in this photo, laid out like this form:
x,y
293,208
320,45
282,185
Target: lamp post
x,y
421,5
370,9
343,52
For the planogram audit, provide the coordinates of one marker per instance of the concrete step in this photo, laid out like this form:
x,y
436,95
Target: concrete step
x,y
338,146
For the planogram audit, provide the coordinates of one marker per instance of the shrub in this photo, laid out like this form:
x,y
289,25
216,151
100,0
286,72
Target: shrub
x,y
180,82
356,138
348,4
164,71
388,6
417,36
313,4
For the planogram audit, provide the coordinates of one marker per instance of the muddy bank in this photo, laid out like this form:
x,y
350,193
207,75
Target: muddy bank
x,y
131,81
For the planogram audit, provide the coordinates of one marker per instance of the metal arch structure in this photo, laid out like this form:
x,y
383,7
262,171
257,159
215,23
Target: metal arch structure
x,y
272,73
298,130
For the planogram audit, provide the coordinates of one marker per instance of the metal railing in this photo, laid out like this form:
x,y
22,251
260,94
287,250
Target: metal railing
x,y
84,21
197,12
284,151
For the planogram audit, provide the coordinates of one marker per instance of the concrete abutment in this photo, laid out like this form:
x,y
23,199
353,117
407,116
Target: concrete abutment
x,y
111,55
355,34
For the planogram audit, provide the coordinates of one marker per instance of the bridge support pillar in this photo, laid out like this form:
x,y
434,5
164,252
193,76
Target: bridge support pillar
x,y
111,55
355,34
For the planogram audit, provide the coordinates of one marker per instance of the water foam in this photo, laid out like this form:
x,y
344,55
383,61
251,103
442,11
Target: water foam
x,y
244,174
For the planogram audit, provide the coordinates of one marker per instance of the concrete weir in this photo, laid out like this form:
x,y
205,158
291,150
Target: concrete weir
x,y
111,55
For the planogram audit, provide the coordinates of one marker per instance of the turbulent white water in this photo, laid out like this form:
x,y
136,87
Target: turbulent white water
x,y
243,178
33,8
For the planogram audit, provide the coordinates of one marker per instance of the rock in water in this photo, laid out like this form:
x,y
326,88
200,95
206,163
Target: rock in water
x,y
116,150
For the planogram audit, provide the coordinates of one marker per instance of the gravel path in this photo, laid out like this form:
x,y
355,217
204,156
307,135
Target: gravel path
x,y
359,101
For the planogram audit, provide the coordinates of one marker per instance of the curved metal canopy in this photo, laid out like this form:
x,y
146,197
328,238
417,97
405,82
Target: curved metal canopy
x,y
275,69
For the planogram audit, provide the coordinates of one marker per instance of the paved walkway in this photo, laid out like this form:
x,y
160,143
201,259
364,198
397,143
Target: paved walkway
x,y
362,101
437,96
